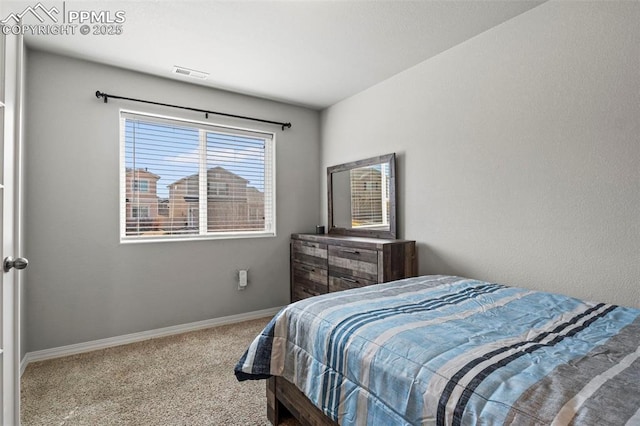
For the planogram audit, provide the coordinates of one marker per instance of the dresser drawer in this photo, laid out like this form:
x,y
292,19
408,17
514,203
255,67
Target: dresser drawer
x,y
309,253
353,262
301,292
312,278
337,283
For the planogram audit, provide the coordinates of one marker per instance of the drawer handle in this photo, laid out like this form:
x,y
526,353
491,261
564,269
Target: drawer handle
x,y
308,268
303,243
350,251
349,280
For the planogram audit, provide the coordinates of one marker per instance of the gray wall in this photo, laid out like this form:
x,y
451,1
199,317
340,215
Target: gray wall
x,y
82,284
519,151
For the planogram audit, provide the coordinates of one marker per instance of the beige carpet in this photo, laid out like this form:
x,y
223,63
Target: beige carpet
x,y
185,379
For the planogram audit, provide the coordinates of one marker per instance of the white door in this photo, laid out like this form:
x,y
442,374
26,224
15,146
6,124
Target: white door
x,y
10,122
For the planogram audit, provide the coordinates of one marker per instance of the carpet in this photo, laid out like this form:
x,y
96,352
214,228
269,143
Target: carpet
x,y
185,379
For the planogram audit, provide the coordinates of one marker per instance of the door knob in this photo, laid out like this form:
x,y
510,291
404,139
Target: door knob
x,y
18,263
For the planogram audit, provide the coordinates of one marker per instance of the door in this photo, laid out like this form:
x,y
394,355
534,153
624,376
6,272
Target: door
x,y
10,122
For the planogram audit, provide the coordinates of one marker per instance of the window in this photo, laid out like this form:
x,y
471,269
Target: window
x,y
219,188
190,180
140,211
141,185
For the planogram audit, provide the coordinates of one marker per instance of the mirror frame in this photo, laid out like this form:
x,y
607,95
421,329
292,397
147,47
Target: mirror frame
x,y
373,233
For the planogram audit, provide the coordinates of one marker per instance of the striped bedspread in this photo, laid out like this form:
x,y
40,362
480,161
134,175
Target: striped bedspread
x,y
442,350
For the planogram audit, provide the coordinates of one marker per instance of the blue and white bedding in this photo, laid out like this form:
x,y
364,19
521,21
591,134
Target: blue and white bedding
x,y
446,350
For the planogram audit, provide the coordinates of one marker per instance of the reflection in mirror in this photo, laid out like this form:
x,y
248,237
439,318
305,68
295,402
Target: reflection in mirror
x,y
362,197
342,199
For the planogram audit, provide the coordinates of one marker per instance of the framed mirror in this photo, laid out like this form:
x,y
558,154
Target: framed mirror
x,y
362,197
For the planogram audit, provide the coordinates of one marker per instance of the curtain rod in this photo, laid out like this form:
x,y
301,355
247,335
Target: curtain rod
x,y
106,96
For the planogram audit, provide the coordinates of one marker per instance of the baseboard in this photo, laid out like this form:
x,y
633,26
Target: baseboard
x,y
138,337
23,363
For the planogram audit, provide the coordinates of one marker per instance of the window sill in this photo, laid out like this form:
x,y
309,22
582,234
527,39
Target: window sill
x,y
195,238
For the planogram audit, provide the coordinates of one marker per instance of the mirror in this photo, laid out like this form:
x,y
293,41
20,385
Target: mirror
x,y
362,197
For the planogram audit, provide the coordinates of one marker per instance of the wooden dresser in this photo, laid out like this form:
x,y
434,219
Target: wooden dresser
x,y
326,263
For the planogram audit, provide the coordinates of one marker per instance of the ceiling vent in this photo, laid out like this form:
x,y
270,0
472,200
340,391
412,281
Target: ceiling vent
x,y
186,72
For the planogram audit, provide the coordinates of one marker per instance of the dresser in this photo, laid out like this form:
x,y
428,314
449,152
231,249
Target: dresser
x,y
327,263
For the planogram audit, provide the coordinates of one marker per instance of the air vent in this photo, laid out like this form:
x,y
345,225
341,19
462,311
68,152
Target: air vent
x,y
186,72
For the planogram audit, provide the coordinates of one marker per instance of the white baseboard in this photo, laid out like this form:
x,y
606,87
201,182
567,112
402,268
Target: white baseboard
x,y
138,337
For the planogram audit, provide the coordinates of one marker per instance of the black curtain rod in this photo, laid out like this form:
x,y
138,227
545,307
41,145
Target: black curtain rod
x,y
106,96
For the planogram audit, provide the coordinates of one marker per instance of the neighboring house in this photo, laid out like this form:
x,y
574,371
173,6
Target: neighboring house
x,y
163,207
141,199
231,204
183,205
255,207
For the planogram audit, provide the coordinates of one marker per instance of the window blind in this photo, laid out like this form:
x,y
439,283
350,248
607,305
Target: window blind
x,y
183,179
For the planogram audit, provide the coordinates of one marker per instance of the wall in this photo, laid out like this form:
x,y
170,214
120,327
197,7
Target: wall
x,y
82,284
519,159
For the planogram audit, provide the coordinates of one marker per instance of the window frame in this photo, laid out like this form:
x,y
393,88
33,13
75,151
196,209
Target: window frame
x,y
269,167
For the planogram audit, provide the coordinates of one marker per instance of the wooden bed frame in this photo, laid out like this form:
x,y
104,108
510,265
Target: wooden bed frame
x,y
284,400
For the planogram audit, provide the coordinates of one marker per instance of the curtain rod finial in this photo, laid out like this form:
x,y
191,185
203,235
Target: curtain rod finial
x,y
287,125
101,95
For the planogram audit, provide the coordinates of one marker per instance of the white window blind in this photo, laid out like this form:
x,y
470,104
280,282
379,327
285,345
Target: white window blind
x,y
370,196
187,180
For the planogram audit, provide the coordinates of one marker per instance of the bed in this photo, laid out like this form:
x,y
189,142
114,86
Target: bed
x,y
444,350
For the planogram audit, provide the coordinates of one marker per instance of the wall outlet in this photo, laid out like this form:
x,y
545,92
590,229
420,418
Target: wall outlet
x,y
242,278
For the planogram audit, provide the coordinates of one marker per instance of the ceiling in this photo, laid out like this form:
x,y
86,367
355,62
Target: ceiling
x,y
309,53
